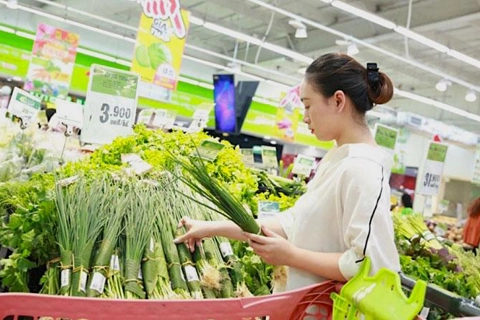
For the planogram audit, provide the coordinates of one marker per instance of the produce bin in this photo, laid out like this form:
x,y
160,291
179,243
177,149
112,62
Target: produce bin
x,y
308,303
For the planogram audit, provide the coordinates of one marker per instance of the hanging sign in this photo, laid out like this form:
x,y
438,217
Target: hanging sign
x,y
288,114
160,42
24,105
110,106
433,169
52,61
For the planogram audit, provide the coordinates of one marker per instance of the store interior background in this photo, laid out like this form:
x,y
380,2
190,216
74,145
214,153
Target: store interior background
x,y
456,27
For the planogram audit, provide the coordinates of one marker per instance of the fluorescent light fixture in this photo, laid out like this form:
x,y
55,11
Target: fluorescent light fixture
x,y
197,21
286,52
421,39
438,104
363,14
301,33
94,29
352,49
463,57
471,96
442,85
7,29
188,80
205,85
41,13
123,62
12,4
264,101
25,35
96,54
232,33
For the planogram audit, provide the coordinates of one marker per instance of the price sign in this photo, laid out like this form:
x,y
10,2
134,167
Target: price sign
x,y
247,157
303,165
209,149
433,169
111,104
269,157
164,118
386,137
24,105
268,209
69,113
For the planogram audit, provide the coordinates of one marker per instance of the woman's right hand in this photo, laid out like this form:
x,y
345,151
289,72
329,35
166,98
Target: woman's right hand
x,y
196,231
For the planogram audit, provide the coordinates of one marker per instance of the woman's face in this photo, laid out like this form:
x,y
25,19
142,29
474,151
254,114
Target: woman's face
x,y
320,113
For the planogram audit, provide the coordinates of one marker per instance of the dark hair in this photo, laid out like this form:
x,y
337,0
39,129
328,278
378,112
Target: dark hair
x,y
337,71
407,200
474,208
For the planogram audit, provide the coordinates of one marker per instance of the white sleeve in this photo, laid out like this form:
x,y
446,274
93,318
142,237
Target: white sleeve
x,y
367,223
287,219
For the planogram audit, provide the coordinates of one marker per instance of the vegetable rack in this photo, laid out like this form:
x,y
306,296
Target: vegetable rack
x,y
308,303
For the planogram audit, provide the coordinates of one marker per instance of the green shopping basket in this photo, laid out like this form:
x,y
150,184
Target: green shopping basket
x,y
379,297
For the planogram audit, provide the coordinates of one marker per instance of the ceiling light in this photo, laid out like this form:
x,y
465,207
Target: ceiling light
x,y
471,96
463,57
421,39
352,49
363,14
442,85
301,33
7,29
273,142
12,4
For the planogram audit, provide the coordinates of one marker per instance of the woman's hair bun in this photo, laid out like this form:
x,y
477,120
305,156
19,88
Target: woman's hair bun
x,y
380,90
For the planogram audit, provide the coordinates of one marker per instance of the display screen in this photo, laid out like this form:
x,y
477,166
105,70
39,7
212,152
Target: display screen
x,y
245,91
224,98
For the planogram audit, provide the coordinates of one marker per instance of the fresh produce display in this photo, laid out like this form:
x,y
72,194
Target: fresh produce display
x,y
33,227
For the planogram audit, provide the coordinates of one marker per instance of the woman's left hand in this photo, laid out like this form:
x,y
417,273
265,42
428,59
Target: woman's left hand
x,y
271,247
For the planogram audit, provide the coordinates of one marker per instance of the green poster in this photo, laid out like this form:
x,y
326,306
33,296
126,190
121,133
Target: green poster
x,y
437,152
115,83
386,136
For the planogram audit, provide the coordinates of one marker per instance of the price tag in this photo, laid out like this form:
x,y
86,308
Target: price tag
x,y
114,263
164,118
303,165
209,149
191,273
138,165
98,282
83,281
69,113
269,157
268,209
433,169
226,249
24,105
386,137
110,106
65,278
247,157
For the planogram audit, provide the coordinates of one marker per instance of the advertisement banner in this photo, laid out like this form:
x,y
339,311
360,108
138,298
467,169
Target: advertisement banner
x,y
160,42
52,61
111,105
288,114
433,169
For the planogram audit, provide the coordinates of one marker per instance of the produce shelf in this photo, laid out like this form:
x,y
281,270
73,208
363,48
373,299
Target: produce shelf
x,y
445,300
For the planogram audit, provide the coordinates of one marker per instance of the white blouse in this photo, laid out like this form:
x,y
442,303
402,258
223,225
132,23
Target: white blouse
x,y
346,209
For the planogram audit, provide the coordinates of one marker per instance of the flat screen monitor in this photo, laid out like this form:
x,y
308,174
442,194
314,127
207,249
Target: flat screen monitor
x,y
245,91
224,98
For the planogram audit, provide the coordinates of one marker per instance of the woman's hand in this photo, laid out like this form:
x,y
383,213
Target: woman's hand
x,y
196,231
272,248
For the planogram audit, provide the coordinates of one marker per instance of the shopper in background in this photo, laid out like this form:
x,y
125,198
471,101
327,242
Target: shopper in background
x,y
471,230
345,214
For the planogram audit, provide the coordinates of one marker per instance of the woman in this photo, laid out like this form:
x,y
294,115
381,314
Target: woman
x,y
344,215
471,231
